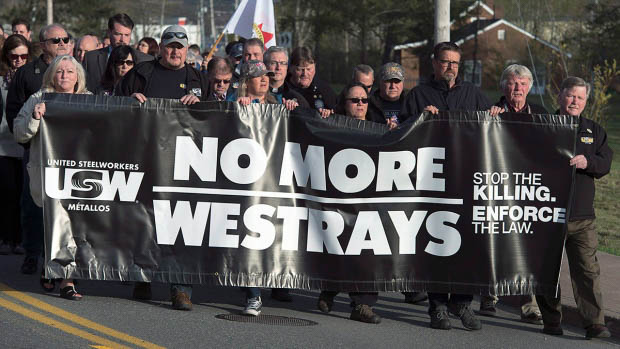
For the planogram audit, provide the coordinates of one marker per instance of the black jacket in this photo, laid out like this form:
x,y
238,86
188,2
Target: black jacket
x,y
27,80
531,107
286,92
592,143
318,90
138,78
375,106
95,63
462,96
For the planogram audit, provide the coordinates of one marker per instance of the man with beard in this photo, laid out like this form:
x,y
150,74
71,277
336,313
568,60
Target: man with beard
x,y
168,77
445,91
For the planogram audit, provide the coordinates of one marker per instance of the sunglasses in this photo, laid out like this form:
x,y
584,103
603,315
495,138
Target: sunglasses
x,y
357,100
56,41
170,35
14,57
218,81
129,62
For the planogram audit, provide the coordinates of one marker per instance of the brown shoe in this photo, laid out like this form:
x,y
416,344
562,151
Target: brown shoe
x,y
364,313
181,301
597,331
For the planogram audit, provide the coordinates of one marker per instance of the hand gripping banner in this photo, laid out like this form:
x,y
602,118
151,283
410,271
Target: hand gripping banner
x,y
258,196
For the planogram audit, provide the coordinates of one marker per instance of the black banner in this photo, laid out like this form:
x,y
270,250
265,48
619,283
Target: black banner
x,y
259,196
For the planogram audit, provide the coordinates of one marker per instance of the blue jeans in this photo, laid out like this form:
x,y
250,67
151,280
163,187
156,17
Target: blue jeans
x,y
31,217
251,292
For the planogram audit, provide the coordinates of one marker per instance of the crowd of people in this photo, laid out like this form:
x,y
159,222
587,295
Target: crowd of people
x,y
247,74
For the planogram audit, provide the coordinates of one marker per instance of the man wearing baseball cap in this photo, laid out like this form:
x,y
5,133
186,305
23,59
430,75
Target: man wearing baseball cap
x,y
385,103
169,77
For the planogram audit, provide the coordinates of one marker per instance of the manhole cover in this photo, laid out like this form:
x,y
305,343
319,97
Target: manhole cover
x,y
267,320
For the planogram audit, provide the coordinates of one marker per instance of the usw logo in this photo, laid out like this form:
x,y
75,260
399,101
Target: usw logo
x,y
92,184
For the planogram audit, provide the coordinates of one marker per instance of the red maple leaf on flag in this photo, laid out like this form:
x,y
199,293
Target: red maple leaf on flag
x,y
266,36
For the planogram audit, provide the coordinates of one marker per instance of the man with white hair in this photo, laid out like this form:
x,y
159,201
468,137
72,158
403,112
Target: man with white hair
x,y
592,161
516,82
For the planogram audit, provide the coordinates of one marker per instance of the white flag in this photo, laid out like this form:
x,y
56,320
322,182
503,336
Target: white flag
x,y
254,19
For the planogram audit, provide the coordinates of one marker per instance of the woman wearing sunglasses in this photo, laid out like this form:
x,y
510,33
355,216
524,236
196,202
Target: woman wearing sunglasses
x,y
15,54
64,75
355,105
121,60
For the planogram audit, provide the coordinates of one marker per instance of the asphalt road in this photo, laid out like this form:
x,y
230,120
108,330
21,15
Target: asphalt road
x,y
107,317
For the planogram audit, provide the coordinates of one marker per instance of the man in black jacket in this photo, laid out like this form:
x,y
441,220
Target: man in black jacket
x,y
593,160
219,71
385,103
317,93
27,80
168,77
445,91
95,62
276,60
515,83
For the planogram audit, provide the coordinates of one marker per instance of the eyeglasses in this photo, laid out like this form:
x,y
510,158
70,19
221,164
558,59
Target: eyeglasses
x,y
357,100
367,87
14,57
129,62
276,63
446,63
56,41
218,81
170,35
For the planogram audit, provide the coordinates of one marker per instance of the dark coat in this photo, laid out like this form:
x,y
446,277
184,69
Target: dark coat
x,y
317,88
462,96
592,143
137,79
95,62
531,107
285,91
27,80
375,106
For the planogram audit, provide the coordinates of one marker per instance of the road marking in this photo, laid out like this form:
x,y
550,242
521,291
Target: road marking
x,y
59,325
76,318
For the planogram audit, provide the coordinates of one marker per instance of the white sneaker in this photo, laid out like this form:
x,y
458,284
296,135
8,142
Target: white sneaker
x,y
253,306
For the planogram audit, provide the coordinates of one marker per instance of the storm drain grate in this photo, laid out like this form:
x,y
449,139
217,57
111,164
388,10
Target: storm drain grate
x,y
267,320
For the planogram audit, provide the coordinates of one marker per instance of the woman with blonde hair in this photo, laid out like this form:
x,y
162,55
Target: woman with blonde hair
x,y
64,75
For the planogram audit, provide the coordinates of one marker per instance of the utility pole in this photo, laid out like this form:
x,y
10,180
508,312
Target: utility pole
x,y
50,11
442,21
213,34
161,19
201,24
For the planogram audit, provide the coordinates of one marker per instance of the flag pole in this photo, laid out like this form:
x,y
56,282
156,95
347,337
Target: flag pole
x,y
214,47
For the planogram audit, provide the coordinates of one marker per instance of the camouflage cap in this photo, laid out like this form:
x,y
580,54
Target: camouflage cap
x,y
391,71
253,69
